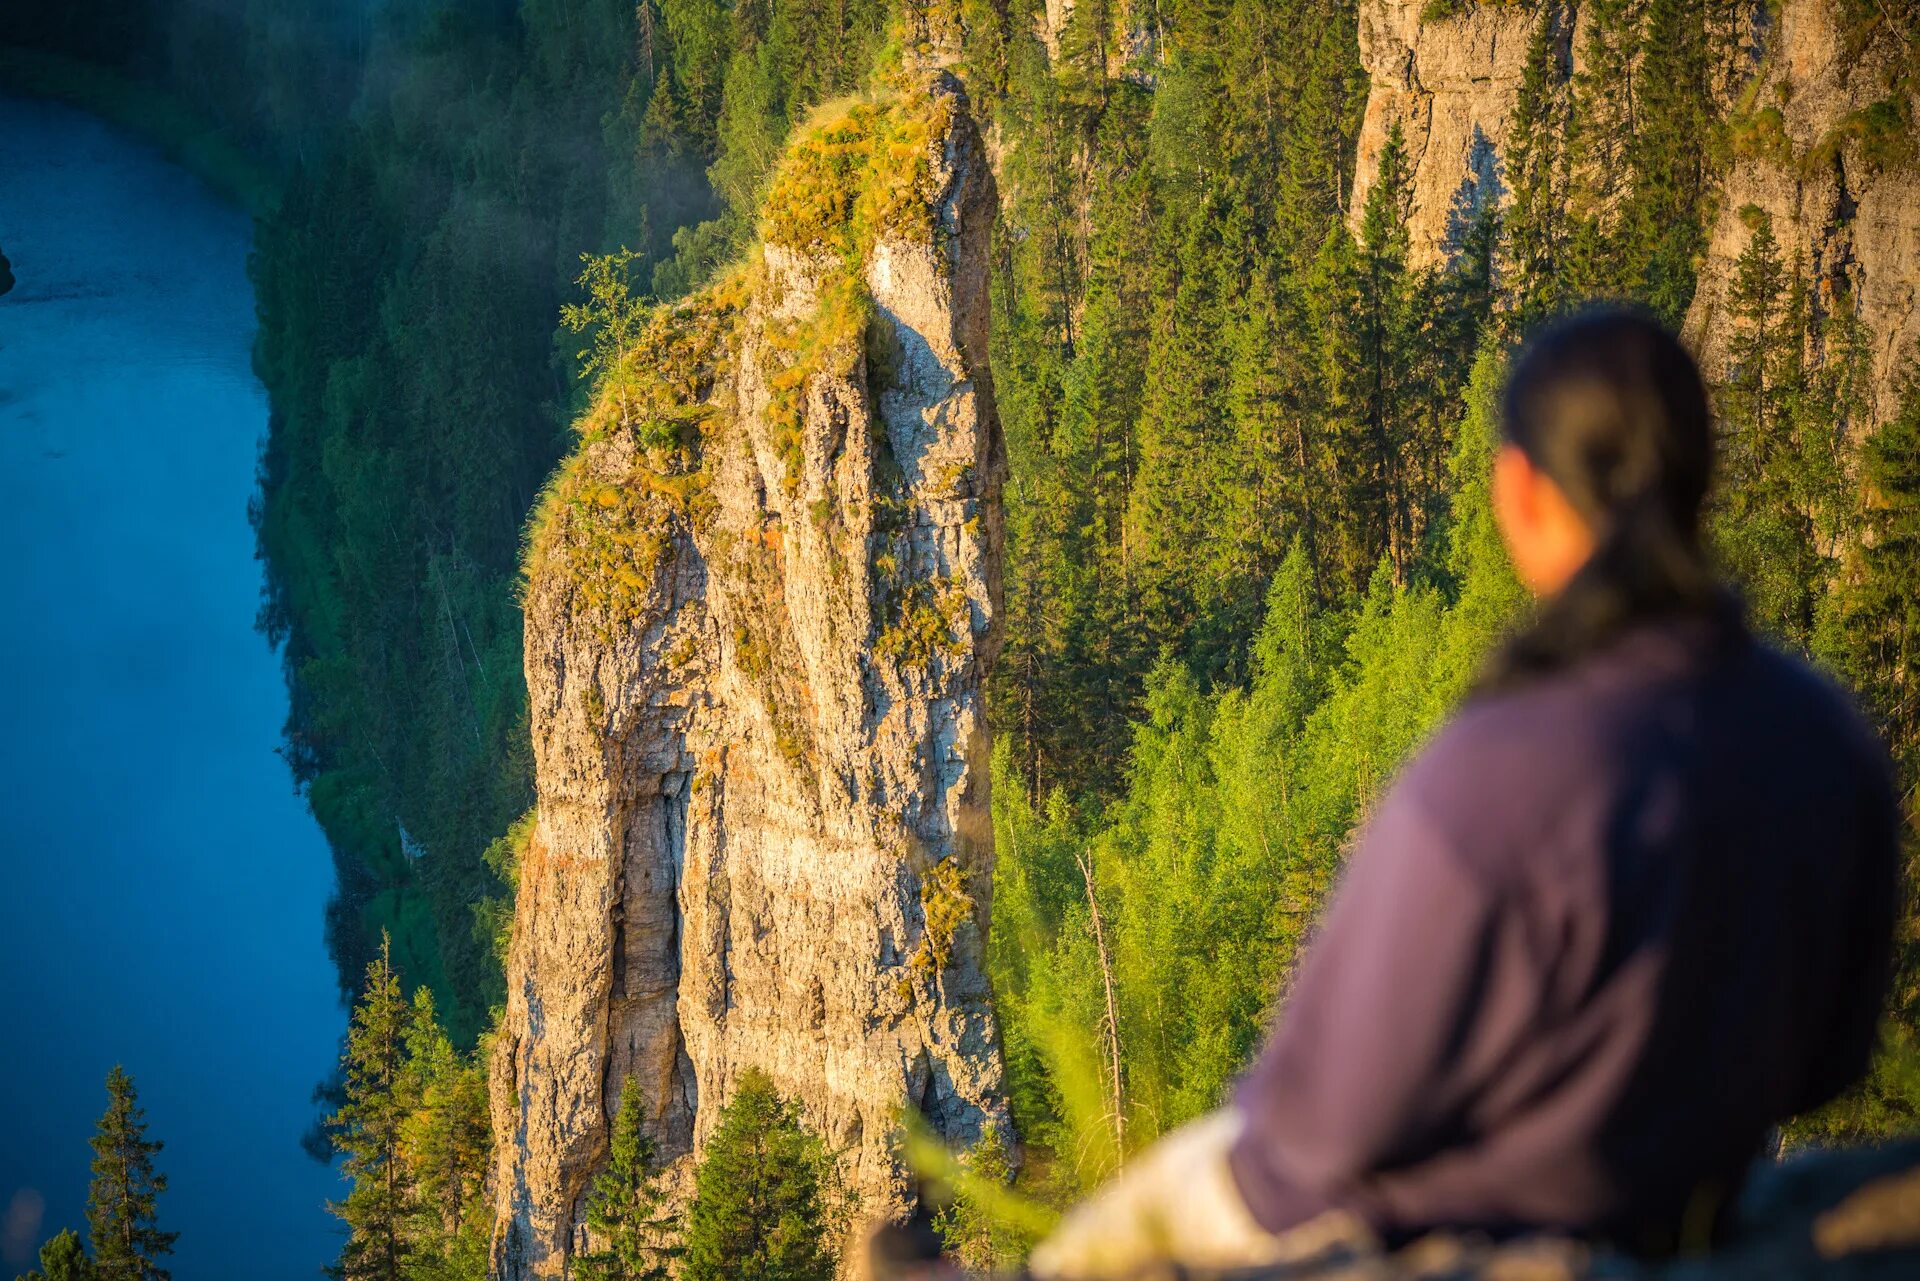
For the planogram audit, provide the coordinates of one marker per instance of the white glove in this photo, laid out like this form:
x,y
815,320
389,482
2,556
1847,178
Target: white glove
x,y
1178,1203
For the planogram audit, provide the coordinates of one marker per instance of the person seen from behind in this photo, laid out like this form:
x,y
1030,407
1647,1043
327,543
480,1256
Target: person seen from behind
x,y
1630,909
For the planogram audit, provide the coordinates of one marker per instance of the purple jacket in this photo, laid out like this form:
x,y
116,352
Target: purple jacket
x,y
1599,937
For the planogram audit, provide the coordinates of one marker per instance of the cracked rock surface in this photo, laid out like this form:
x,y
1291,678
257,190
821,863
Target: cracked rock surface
x,y
762,603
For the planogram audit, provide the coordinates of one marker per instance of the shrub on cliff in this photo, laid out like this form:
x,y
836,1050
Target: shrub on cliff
x,y
624,1210
766,1202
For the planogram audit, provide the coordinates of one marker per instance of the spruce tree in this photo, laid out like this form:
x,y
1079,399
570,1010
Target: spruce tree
x,y
368,1131
444,1142
624,1212
1667,156
1536,222
1770,486
1374,371
121,1209
764,1201
1872,632
63,1259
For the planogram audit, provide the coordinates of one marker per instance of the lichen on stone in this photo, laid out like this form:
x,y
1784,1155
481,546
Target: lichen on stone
x,y
945,905
610,514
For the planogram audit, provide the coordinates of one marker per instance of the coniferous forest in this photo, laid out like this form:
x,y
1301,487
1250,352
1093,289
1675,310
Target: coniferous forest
x,y
1250,559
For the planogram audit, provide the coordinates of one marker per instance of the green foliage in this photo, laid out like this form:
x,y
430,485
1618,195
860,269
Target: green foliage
x,y
1186,345
493,915
628,1224
413,1137
1213,862
980,1234
367,1132
1873,623
445,1144
1537,228
122,1209
766,1201
62,1259
945,906
612,313
409,281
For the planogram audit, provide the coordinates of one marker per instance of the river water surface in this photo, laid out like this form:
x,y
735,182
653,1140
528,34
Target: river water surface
x,y
162,888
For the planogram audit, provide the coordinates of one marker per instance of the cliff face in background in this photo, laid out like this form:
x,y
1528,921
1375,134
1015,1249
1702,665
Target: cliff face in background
x,y
1800,97
1847,220
762,602
1450,85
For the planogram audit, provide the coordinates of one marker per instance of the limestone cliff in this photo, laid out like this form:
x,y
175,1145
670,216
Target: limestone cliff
x,y
762,602
1450,84
1805,106
1807,152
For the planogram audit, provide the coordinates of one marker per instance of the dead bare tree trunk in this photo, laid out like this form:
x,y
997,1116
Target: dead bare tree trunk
x,y
1113,1013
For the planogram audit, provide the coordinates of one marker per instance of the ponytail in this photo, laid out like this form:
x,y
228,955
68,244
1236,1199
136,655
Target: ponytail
x,y
1611,408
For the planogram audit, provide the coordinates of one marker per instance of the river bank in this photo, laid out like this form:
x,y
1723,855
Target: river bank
x,y
166,885
156,117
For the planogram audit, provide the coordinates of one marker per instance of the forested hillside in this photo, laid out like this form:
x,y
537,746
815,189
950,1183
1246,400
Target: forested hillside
x,y
1249,562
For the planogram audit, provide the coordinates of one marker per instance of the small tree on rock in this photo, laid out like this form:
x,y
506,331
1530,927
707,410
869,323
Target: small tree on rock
x,y
624,1210
765,1203
613,313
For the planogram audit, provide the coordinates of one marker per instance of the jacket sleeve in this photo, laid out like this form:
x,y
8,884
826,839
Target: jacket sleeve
x,y
1419,984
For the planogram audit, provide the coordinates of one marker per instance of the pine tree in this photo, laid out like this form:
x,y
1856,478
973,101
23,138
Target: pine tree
x,y
1536,223
1872,632
976,1238
1764,518
444,1142
121,1205
764,1201
624,1212
63,1259
368,1131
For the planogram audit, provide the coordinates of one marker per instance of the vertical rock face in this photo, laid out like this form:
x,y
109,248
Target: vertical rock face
x,y
1801,101
762,603
1450,84
1853,226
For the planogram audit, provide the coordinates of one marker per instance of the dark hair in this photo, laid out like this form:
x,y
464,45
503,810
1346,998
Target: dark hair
x,y
1612,409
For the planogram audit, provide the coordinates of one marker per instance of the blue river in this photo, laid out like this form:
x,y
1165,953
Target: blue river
x,y
162,887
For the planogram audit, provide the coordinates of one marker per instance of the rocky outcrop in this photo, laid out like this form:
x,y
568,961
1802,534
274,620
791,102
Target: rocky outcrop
x,y
1126,38
762,601
1805,145
1450,84
1804,106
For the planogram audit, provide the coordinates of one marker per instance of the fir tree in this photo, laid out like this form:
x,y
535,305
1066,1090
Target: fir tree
x,y
1768,484
63,1259
624,1208
368,1131
1873,629
977,1238
1536,226
444,1143
764,1201
121,1205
